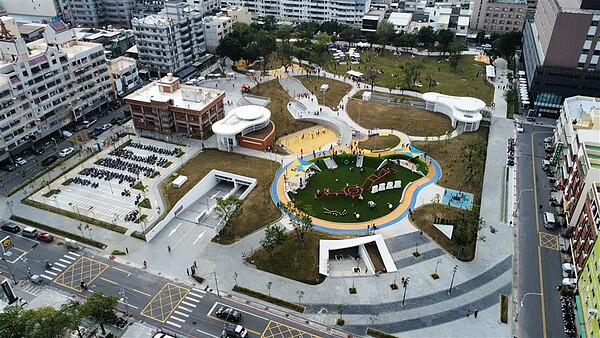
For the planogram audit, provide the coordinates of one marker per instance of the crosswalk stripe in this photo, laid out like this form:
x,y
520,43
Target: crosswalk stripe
x,y
65,261
50,272
48,278
177,319
198,290
74,254
195,294
181,313
188,304
69,257
61,265
56,269
184,309
192,299
174,324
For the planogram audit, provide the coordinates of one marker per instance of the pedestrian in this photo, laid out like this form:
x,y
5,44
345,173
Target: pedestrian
x,y
541,206
195,265
169,248
475,313
193,271
187,271
468,312
127,250
145,264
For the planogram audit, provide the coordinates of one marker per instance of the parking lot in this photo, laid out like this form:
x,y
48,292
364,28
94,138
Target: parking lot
x,y
114,186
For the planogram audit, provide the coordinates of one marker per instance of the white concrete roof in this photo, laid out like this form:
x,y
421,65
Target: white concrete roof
x,y
463,20
240,118
464,109
400,19
327,245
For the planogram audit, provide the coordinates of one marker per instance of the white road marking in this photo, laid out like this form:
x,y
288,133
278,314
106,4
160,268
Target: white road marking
x,y
198,290
48,278
174,324
198,238
50,272
207,334
215,195
195,294
61,265
129,305
120,270
74,254
212,308
69,257
181,313
177,319
188,304
173,231
184,308
65,261
56,269
192,299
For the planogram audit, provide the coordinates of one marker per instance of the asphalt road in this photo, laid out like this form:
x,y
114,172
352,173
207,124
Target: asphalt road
x,y
539,262
173,306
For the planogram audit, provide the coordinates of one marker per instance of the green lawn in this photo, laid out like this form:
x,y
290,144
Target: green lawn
x,y
461,82
376,142
337,179
332,97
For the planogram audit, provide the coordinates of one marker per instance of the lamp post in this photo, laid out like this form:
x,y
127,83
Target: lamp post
x,y
216,284
452,282
9,204
522,303
125,300
404,282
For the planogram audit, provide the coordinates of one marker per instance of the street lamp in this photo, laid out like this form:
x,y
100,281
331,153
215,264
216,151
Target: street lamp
x,y
404,282
523,300
452,282
125,300
10,205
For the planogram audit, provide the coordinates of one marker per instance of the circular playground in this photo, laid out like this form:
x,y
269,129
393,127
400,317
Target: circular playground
x,y
351,188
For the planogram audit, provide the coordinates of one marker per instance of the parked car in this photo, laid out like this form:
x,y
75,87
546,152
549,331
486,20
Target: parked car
x,y
519,128
20,161
94,133
39,151
229,314
116,121
106,126
66,152
9,167
10,227
87,124
49,160
549,139
234,331
571,282
44,237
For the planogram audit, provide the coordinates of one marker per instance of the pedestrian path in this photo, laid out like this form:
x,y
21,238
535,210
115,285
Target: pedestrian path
x,y
185,308
59,266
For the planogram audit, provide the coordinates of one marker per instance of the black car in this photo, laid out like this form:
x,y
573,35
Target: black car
x,y
116,121
39,151
229,314
9,167
49,160
11,227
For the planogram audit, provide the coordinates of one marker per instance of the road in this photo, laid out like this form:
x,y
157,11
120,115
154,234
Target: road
x,y
176,307
539,267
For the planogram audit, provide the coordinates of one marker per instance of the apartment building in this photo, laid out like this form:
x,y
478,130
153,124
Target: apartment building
x,y
47,84
498,16
238,14
215,28
561,51
39,11
124,75
349,12
589,288
166,106
171,40
116,42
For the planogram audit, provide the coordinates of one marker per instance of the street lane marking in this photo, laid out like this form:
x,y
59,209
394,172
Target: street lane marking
x,y
51,273
188,304
181,313
61,265
174,230
549,241
198,290
69,257
56,269
198,238
166,300
109,281
184,308
65,261
278,330
48,278
142,292
129,305
192,299
207,334
195,294
119,269
177,319
184,236
174,324
74,254
84,269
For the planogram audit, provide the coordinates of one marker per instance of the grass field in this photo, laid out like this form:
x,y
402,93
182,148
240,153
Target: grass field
x,y
332,97
284,122
294,261
409,120
461,82
257,210
377,142
337,179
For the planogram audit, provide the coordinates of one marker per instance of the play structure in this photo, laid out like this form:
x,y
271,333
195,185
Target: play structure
x,y
354,190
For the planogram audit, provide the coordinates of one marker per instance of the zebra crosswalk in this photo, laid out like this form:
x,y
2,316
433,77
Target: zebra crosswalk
x,y
60,265
185,308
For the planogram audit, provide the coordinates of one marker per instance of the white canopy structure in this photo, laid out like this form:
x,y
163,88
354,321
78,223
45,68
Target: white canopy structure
x,y
464,112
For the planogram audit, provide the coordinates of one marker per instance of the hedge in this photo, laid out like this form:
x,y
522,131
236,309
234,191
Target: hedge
x,y
59,232
267,298
379,334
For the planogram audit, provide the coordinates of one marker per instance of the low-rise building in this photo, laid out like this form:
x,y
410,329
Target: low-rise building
x,y
401,21
124,75
116,42
371,20
166,106
238,14
47,84
215,28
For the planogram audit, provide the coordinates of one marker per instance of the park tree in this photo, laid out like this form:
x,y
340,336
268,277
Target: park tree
x,y
426,36
284,56
100,309
511,95
274,236
473,156
323,38
456,47
393,81
269,23
505,45
284,34
348,34
331,27
372,75
444,37
412,74
372,38
302,224
229,47
385,34
261,47
46,322
405,40
481,37
468,224
307,29
228,210
11,325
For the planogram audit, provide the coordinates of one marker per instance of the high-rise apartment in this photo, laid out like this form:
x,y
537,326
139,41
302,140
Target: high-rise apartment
x,y
498,16
349,12
561,51
47,84
171,40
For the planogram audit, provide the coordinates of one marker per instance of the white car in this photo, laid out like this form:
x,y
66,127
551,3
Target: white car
x,y
106,126
20,161
568,267
570,282
519,128
87,124
66,152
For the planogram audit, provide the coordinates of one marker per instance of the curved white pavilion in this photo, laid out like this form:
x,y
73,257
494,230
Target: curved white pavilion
x,y
464,112
240,121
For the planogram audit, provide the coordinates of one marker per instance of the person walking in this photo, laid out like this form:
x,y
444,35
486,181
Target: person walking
x,y
195,266
475,313
187,270
145,264
169,248
468,312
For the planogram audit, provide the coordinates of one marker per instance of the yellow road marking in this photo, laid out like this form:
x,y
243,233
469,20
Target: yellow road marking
x,y
142,292
169,287
281,329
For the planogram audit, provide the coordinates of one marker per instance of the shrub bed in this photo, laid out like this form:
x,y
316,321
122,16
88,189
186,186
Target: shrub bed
x,y
379,334
269,299
59,232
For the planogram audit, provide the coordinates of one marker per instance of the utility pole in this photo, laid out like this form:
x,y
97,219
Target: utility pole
x,y
217,284
452,282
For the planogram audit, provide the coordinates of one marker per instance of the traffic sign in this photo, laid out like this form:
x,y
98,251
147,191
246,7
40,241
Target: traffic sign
x,y
7,244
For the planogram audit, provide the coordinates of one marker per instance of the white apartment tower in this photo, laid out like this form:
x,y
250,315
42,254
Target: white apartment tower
x,y
349,12
171,40
47,84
